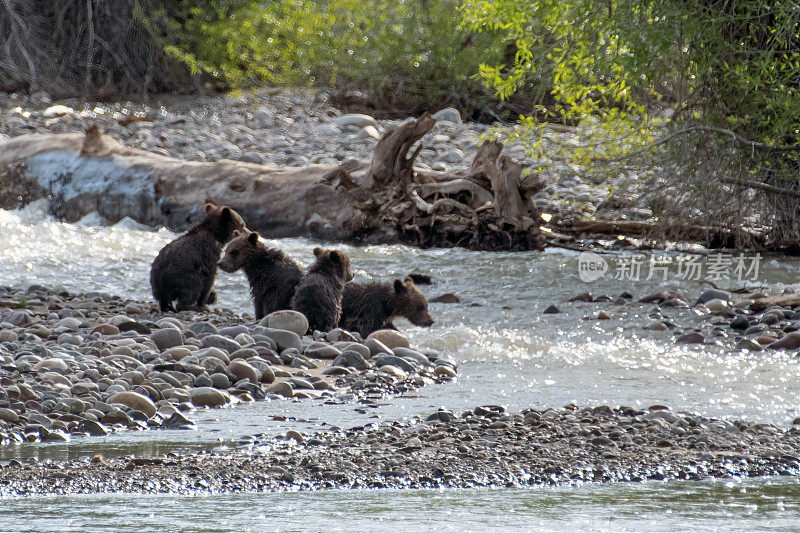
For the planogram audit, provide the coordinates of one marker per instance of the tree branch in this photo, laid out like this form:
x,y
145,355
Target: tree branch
x,y
735,136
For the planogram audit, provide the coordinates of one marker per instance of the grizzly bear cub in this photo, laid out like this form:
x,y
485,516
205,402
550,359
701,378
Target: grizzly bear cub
x,y
184,269
367,307
319,293
272,275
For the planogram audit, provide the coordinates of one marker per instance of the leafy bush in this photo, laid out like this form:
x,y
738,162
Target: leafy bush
x,y
724,74
409,54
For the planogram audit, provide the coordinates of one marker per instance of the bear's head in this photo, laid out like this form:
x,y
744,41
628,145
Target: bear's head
x,y
239,252
224,222
411,303
332,263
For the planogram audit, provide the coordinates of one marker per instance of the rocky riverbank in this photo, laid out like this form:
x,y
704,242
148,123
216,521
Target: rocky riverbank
x,y
91,364
748,320
482,447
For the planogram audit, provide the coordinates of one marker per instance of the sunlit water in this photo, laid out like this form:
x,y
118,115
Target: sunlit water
x,y
730,506
508,352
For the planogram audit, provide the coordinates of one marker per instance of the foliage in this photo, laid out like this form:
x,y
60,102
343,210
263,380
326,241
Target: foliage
x,y
731,64
407,53
648,69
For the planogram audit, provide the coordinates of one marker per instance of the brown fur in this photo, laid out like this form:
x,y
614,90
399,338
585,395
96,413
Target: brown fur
x,y
319,293
184,269
367,307
272,275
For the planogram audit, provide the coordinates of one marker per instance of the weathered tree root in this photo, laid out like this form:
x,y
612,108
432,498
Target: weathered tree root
x,y
488,207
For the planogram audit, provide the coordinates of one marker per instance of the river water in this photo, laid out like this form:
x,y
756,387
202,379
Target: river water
x,y
508,352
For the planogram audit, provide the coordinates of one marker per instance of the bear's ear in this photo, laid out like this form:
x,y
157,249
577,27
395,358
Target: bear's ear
x,y
318,251
409,281
336,257
399,288
252,238
210,207
225,214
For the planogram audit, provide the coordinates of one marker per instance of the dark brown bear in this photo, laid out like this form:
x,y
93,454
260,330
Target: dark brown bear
x,y
271,274
319,293
184,269
367,307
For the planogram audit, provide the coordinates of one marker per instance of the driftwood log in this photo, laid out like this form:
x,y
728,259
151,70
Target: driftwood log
x,y
486,207
711,236
784,300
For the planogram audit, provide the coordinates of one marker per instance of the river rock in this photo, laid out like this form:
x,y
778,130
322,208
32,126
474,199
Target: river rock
x,y
320,350
7,415
390,338
218,341
740,322
134,400
208,397
448,114
20,318
377,347
393,360
369,132
452,156
106,329
52,364
692,337
282,388
340,335
244,370
413,356
94,428
252,157
352,359
134,326
283,338
116,417
214,352
199,328
176,353
355,119
218,381
444,372
267,374
790,341
446,298
67,324
551,310
287,320
714,294
715,305
167,338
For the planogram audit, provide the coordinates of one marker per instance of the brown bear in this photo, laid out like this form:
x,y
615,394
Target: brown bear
x,y
184,269
367,307
272,275
319,293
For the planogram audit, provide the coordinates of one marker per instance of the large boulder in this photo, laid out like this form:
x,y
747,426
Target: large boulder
x,y
287,320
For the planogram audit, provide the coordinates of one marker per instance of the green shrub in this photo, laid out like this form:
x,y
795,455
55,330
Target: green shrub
x,y
408,54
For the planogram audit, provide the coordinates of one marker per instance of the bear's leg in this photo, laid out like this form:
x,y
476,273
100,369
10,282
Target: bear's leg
x,y
205,293
258,306
187,301
165,305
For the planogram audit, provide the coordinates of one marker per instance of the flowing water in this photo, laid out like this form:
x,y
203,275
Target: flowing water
x,y
508,352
